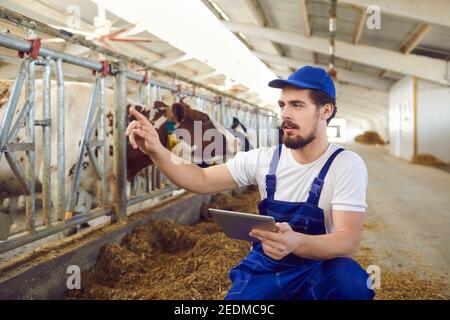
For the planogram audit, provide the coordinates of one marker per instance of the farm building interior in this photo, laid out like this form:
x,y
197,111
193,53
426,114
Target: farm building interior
x,y
79,201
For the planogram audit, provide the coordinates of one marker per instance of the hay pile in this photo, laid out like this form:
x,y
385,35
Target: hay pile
x,y
178,262
403,285
164,260
427,160
370,137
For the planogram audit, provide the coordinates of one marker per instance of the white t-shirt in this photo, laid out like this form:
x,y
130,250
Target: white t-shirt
x,y
344,188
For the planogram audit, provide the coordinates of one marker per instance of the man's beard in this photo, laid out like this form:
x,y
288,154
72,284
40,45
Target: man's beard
x,y
297,141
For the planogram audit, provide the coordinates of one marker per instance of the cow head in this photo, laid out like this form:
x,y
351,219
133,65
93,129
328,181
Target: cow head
x,y
191,121
136,160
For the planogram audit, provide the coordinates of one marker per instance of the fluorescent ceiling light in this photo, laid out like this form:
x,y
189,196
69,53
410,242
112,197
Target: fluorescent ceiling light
x,y
189,26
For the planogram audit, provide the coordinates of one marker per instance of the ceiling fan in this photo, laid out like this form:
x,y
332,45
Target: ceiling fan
x,y
104,33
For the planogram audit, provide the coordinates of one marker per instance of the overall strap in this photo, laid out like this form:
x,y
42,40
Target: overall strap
x,y
271,178
316,187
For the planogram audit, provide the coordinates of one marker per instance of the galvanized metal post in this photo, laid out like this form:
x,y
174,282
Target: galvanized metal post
x,y
101,193
30,215
120,103
134,182
84,140
46,87
60,142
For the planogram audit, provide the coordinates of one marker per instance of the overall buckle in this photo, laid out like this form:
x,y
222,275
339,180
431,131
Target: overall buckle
x,y
316,186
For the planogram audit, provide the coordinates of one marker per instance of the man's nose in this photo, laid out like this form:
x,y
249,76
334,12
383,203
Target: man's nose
x,y
285,114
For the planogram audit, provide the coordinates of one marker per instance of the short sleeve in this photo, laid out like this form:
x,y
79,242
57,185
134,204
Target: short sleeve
x,y
349,183
244,167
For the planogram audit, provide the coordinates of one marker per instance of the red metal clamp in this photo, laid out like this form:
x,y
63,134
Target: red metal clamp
x,y
105,68
35,47
145,76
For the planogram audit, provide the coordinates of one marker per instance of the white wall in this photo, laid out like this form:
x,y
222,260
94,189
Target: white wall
x,y
433,119
401,118
337,130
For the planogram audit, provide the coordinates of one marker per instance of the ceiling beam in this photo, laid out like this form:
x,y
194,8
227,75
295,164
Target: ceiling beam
x,y
305,15
76,50
375,96
204,76
369,106
356,110
353,118
408,64
433,12
357,78
359,31
376,123
263,21
413,40
367,124
416,37
170,61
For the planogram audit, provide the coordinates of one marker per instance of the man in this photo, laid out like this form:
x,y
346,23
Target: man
x,y
315,191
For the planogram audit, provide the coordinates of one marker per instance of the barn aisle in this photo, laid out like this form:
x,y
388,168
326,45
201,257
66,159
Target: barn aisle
x,y
408,218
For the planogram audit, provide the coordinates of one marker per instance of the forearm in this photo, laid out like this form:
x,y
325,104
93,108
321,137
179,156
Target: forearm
x,y
327,246
180,172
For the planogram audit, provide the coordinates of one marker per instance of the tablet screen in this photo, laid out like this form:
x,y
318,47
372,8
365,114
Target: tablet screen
x,y
237,225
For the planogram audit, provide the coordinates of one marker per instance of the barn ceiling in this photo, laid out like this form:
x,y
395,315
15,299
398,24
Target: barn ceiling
x,y
414,39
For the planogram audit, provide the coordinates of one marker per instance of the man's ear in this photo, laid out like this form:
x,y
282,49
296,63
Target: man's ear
x,y
179,112
327,111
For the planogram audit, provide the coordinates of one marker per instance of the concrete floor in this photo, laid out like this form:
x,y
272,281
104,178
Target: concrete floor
x,y
408,214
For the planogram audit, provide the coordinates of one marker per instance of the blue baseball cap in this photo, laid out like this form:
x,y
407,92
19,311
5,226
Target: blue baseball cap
x,y
308,77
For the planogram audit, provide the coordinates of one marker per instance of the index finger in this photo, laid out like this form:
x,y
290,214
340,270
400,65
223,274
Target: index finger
x,y
139,116
265,234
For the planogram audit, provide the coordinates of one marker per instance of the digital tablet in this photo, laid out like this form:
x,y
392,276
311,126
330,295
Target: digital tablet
x,y
237,225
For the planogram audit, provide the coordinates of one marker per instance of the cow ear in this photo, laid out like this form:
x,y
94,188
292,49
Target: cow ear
x,y
179,112
160,105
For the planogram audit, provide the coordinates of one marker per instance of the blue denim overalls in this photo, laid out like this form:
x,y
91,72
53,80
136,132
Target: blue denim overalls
x,y
260,277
